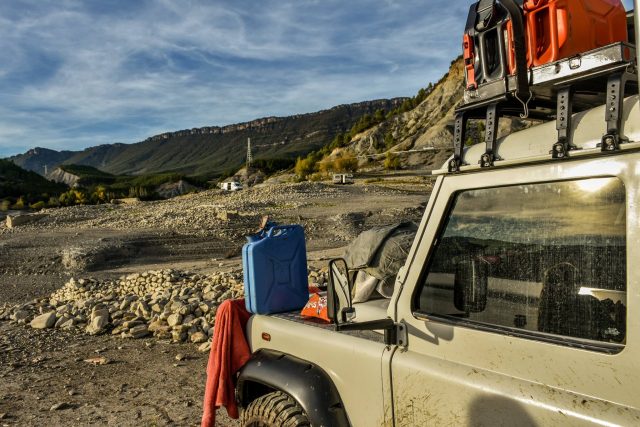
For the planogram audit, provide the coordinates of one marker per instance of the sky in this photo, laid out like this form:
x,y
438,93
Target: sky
x,y
75,74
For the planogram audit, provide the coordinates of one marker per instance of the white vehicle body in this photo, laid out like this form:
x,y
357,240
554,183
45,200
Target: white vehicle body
x,y
231,186
449,371
343,178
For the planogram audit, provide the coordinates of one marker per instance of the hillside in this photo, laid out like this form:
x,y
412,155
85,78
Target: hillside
x,y
212,150
428,126
74,175
16,182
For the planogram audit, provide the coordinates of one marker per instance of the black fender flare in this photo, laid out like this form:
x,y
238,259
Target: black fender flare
x,y
305,382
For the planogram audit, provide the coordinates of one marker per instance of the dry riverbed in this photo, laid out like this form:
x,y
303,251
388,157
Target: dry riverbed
x,y
173,261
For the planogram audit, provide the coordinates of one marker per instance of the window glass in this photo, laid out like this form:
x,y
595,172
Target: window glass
x,y
547,258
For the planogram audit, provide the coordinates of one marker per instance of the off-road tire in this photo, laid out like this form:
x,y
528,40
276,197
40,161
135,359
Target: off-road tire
x,y
275,409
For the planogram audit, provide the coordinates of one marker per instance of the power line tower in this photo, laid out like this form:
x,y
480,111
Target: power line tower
x,y
249,155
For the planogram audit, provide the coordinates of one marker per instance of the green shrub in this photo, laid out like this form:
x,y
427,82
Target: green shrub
x,y
346,163
38,205
305,167
19,204
392,161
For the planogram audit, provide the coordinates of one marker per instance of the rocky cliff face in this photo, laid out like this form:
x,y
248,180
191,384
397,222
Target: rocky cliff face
x,y
41,160
64,177
212,150
428,128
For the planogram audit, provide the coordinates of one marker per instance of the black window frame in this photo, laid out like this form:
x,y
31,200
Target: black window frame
x,y
543,337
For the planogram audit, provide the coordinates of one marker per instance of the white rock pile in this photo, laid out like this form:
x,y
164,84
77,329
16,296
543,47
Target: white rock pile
x,y
165,304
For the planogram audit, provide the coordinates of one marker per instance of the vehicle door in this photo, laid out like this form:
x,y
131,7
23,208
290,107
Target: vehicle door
x,y
515,299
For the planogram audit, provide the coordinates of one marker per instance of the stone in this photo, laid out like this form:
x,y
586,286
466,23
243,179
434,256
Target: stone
x,y
17,220
102,312
179,335
44,321
97,325
157,325
101,360
175,319
205,346
20,315
198,338
68,323
131,323
59,406
139,331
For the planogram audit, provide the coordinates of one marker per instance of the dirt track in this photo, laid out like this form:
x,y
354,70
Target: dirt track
x,y
144,384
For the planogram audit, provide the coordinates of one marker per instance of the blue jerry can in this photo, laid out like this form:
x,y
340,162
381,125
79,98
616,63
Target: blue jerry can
x,y
275,270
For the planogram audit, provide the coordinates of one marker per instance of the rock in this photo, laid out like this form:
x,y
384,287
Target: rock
x,y
139,331
17,220
101,312
44,321
205,346
180,357
20,315
198,338
179,335
126,201
68,323
59,406
60,321
175,319
131,324
157,325
98,360
97,325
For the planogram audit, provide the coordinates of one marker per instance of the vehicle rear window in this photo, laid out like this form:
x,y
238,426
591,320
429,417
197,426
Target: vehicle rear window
x,y
547,259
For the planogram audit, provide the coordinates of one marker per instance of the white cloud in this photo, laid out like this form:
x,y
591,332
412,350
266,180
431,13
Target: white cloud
x,y
72,76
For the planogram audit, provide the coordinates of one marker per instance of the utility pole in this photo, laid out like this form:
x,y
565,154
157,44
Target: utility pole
x,y
249,155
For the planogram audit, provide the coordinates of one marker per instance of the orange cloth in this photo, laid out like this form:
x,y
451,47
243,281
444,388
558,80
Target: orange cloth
x,y
229,352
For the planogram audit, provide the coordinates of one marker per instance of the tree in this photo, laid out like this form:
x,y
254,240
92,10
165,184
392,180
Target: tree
x,y
389,141
19,204
304,167
346,163
378,116
326,166
392,161
99,194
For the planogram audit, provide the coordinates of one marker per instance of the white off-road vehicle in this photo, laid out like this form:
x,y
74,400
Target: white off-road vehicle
x,y
518,301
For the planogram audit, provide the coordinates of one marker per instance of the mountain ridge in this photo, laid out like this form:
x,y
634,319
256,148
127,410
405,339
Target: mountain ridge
x,y
211,150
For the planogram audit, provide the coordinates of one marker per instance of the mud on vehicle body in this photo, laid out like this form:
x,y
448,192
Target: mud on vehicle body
x,y
516,302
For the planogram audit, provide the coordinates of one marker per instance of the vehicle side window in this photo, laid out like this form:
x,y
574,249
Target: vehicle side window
x,y
546,259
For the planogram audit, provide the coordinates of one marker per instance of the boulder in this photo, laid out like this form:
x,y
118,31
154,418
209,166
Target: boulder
x,y
175,319
198,337
97,325
22,219
44,321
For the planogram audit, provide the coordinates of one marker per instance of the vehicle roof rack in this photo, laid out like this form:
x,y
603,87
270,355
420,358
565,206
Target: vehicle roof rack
x,y
553,91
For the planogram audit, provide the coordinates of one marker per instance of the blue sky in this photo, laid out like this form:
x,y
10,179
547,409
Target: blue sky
x,y
79,73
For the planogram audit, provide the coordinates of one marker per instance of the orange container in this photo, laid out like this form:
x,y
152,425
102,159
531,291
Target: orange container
x,y
558,29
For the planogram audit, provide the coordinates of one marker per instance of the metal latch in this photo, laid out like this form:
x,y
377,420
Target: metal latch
x,y
402,334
